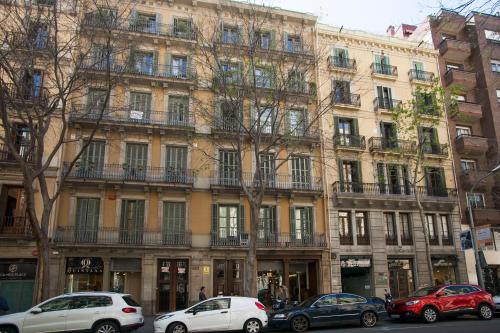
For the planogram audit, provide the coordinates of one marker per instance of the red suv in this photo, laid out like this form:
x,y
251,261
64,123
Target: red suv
x,y
432,302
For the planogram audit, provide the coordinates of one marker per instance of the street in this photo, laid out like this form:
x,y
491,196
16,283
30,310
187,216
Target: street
x,y
460,325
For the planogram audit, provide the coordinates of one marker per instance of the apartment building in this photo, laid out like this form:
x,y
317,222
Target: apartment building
x,y
469,59
376,235
154,207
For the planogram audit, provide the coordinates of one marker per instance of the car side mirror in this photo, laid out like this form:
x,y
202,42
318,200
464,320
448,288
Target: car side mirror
x,y
36,311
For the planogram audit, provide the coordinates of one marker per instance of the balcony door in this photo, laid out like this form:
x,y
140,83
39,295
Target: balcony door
x,y
389,135
87,220
267,230
384,95
350,176
297,122
136,160
301,224
179,67
268,169
176,164
342,91
92,160
96,101
301,172
341,57
435,181
428,139
178,108
228,167
347,130
140,106
144,62
132,221
174,223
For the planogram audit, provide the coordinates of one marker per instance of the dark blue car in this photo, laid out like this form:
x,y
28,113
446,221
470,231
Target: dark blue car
x,y
329,310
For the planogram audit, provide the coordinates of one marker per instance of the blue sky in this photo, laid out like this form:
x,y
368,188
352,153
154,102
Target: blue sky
x,y
369,15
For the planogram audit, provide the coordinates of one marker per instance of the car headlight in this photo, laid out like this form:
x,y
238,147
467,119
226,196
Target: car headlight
x,y
163,317
410,303
280,316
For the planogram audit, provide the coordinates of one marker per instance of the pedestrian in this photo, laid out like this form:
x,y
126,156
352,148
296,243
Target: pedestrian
x,y
388,297
4,306
202,295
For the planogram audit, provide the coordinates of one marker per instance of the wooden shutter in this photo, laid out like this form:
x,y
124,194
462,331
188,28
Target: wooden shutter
x,y
359,175
291,217
355,128
241,219
176,158
215,218
136,154
158,21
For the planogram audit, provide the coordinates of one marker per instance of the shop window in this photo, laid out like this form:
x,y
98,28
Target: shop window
x,y
446,233
390,229
432,229
345,229
495,66
406,232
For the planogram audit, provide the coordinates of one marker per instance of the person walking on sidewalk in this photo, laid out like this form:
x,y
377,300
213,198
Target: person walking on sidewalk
x,y
202,295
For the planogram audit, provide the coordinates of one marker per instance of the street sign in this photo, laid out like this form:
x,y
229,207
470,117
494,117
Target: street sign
x,y
483,234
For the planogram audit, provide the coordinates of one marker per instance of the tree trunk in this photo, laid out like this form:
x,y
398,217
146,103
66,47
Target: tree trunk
x,y
43,276
426,237
251,272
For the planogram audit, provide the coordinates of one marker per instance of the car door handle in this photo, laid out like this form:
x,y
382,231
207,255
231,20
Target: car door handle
x,y
223,312
61,316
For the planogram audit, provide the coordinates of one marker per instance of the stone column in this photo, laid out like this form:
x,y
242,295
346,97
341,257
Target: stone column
x,y
149,286
379,253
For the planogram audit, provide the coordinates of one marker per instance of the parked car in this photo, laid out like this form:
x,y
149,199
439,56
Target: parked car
x,y
97,312
329,310
431,303
496,299
215,314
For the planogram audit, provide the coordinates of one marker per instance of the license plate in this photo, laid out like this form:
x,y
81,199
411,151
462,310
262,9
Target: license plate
x,y
395,316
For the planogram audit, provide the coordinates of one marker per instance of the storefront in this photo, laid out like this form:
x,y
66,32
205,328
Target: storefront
x,y
444,270
84,274
356,275
228,277
172,285
17,283
299,278
126,276
401,282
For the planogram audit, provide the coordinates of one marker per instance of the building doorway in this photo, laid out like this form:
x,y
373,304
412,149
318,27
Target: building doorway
x,y
356,276
172,285
228,277
401,277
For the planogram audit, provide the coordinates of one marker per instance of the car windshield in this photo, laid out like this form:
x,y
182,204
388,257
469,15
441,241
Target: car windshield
x,y
308,302
425,292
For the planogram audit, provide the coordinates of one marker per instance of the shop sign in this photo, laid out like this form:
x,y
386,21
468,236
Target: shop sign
x,y
483,234
350,263
17,271
442,263
79,265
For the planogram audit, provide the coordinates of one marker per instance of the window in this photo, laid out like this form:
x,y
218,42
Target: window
x,y
342,92
230,35
298,122
393,179
296,81
492,36
183,28
390,228
140,106
178,110
267,223
230,113
349,299
87,219
58,304
179,67
92,160
228,167
463,131
228,221
263,77
302,223
448,36
264,39
136,159
268,168
350,176
265,119
96,101
382,65
132,221
346,132
495,66
362,231
406,234
435,182
101,56
293,43
301,171
144,22
174,222
446,234
468,165
130,301
327,300
426,104
345,229
175,161
143,62
459,98
431,228
231,72
341,57
85,302
213,305
498,95
428,139
32,85
476,200
384,98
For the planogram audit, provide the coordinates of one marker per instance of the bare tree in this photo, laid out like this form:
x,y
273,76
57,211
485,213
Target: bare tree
x,y
49,48
265,103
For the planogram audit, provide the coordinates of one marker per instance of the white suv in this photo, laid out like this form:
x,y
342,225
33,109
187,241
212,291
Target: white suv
x,y
97,312
215,314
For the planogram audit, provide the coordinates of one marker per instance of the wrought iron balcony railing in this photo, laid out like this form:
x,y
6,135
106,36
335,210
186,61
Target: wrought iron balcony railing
x,y
349,141
342,63
222,239
346,239
124,172
435,149
406,240
13,227
391,145
376,189
25,93
391,240
383,69
386,103
120,236
418,75
290,240
345,99
24,150
363,239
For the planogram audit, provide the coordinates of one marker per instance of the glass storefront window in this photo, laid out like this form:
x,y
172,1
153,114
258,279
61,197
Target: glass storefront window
x,y
444,272
269,279
83,282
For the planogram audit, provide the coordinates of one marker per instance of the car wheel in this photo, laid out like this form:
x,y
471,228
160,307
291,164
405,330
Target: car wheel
x,y
177,328
106,327
252,326
299,324
485,312
368,319
7,329
429,315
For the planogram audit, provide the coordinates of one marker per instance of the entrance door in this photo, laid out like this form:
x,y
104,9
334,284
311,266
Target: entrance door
x,y
172,285
400,282
228,277
19,294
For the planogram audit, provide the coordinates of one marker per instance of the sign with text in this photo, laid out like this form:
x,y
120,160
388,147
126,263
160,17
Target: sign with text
x,y
82,265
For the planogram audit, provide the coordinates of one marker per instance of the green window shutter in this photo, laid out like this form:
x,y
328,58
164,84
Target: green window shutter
x,y
123,217
336,53
442,179
241,219
341,172
421,137
418,66
189,61
215,218
359,175
273,219
427,174
378,59
155,62
139,222
81,205
380,93
168,63
310,220
93,213
346,53
133,18
158,21
355,127
435,138
336,124
273,40
291,217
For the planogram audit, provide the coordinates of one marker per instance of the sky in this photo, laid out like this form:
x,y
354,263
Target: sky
x,y
368,15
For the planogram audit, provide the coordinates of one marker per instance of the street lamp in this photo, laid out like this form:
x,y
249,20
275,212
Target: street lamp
x,y
479,271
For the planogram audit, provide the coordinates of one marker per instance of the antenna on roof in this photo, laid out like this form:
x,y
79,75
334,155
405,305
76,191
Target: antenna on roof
x,y
421,42
342,27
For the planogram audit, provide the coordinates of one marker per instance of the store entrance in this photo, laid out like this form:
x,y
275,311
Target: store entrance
x,y
356,276
228,277
172,285
400,278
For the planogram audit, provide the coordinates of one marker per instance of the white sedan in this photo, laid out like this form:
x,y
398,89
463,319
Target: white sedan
x,y
215,314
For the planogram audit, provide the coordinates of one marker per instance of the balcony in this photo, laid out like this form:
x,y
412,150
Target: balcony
x,y
307,89
384,71
470,177
385,145
408,241
346,239
421,77
471,145
363,240
127,117
464,80
349,142
8,158
386,104
486,216
239,239
349,101
292,240
144,73
467,112
71,235
15,228
342,64
297,48
271,183
448,21
120,173
227,125
435,150
25,95
391,240
376,189
455,50
434,241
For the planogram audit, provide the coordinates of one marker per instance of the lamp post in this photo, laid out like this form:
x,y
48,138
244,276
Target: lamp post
x,y
479,271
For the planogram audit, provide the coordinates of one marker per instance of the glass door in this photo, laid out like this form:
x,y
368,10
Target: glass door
x,y
172,285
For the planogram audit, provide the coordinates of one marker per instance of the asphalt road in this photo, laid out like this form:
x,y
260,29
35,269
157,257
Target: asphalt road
x,y
459,325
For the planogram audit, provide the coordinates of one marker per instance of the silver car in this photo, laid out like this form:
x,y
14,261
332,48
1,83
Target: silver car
x,y
496,299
